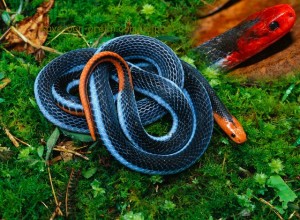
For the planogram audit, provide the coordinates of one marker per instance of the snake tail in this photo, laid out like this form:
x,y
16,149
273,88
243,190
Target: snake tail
x,y
124,77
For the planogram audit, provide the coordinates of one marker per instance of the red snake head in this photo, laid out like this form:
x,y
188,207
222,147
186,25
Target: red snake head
x,y
268,26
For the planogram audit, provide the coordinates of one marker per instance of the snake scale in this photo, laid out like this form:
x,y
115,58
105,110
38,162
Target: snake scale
x,y
109,79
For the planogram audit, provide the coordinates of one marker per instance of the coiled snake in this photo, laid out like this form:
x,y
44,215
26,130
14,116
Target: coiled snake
x,y
107,108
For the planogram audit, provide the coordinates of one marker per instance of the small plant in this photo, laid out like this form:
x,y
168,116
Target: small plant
x,y
132,216
97,190
268,185
276,166
156,179
261,179
244,201
33,156
148,9
168,206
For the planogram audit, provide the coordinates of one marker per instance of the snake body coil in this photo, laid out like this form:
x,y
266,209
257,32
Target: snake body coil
x,y
169,85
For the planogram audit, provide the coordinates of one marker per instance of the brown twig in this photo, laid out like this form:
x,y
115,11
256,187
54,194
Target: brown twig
x,y
247,172
67,191
292,215
60,33
80,35
5,33
4,4
11,138
224,162
272,208
72,152
57,210
96,43
22,142
14,139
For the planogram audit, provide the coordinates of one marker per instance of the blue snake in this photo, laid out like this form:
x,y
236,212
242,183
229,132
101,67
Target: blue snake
x,y
169,85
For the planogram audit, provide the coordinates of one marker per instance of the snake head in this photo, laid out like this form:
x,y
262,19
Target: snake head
x,y
260,30
232,128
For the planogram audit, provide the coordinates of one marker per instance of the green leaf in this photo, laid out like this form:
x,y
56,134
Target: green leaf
x,y
279,209
288,92
51,142
89,173
97,189
40,151
19,17
284,192
6,18
297,143
20,7
2,76
77,136
2,100
172,39
33,102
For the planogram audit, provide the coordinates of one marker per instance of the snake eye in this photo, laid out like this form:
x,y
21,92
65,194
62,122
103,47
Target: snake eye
x,y
233,135
273,25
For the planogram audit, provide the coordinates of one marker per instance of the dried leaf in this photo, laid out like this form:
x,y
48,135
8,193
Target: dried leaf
x,y
68,145
4,82
34,30
68,150
11,138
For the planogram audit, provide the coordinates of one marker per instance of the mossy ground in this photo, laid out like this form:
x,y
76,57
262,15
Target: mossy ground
x,y
228,182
